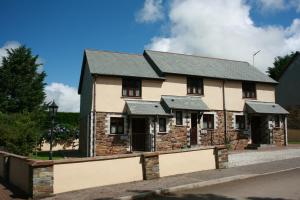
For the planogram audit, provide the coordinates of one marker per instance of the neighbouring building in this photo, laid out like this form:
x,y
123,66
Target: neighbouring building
x,y
288,95
160,101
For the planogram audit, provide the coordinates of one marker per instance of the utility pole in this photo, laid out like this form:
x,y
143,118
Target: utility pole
x,y
253,57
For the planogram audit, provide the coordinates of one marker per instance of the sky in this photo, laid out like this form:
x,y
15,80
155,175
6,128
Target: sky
x,y
59,31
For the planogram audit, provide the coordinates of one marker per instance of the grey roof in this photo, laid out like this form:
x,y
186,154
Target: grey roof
x,y
206,67
264,108
139,107
184,102
119,64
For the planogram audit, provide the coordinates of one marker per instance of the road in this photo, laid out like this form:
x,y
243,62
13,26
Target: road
x,y
278,186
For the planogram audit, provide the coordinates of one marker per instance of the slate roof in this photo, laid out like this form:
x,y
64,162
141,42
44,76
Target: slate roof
x,y
120,64
140,107
207,67
264,108
184,102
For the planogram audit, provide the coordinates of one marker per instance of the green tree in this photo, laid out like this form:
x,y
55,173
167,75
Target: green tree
x,y
279,65
21,85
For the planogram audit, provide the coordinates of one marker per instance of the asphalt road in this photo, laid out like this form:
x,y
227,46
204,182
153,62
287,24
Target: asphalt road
x,y
278,186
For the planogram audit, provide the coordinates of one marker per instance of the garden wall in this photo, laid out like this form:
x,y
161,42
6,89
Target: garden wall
x,y
45,178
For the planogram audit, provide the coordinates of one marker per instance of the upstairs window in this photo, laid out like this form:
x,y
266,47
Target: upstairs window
x,y
240,122
249,89
208,121
162,125
131,87
194,85
179,118
116,125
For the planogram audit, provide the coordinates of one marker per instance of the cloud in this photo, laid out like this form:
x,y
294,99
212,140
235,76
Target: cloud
x,y
8,45
151,12
66,97
224,28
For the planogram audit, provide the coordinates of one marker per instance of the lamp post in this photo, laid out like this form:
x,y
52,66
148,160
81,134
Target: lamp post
x,y
253,57
52,112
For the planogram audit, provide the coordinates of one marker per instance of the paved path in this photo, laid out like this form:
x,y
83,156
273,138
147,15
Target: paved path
x,y
115,191
8,192
282,185
254,157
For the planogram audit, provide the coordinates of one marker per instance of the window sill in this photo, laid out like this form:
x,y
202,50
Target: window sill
x,y
196,95
179,125
162,133
126,97
113,134
252,98
208,129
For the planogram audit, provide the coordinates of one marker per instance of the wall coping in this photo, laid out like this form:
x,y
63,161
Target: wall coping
x,y
186,150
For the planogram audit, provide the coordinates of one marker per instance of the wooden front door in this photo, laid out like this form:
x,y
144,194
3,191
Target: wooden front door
x,y
193,133
256,129
139,129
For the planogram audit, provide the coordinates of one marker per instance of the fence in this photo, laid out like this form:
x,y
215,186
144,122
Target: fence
x,y
45,178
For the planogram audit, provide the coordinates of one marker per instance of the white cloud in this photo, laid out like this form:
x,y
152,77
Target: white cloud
x,y
224,28
66,97
151,12
8,45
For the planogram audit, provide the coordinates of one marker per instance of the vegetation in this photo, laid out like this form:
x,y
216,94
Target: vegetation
x,y
279,65
22,116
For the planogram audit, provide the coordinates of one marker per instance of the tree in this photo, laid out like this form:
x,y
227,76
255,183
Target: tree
x,y
21,85
279,65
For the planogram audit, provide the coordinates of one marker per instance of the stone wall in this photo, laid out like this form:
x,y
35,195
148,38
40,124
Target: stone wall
x,y
278,136
107,144
221,156
42,179
150,166
175,139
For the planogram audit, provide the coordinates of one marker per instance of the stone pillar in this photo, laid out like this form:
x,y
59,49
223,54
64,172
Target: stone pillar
x,y
150,163
221,156
42,179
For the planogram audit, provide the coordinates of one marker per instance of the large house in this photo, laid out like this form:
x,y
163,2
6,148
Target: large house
x,y
160,101
287,95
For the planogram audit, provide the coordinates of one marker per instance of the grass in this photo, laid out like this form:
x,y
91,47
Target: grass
x,y
294,142
44,155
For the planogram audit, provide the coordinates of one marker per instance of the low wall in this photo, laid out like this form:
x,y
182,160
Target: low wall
x,y
80,174
44,178
186,162
18,171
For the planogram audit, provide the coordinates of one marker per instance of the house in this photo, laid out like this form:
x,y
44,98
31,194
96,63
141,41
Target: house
x,y
160,101
288,96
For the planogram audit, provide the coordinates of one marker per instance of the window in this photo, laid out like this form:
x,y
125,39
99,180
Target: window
x,y
116,125
208,121
277,121
178,118
249,90
240,122
162,125
194,85
131,87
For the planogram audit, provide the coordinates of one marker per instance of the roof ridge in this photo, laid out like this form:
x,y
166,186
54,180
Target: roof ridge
x,y
198,56
110,51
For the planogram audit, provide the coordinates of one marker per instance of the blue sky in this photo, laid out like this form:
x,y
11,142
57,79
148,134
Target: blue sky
x,y
59,31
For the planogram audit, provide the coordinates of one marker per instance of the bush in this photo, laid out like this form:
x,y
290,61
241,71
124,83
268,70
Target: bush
x,y
20,132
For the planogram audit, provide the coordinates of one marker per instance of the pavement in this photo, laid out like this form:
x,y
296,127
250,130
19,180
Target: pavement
x,y
281,185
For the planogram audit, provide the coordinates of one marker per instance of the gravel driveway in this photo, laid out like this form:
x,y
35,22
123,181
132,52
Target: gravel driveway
x,y
254,157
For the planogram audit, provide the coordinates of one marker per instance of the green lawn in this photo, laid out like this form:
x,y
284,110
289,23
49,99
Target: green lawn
x,y
294,142
44,155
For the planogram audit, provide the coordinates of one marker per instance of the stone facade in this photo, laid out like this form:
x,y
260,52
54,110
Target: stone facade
x,y
278,136
42,180
175,139
107,144
221,156
150,166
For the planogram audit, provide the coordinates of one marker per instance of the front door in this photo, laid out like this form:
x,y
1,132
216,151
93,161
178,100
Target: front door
x,y
256,129
139,129
193,135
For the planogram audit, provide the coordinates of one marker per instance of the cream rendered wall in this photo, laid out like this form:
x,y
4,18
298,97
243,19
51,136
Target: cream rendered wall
x,y
75,176
265,92
186,162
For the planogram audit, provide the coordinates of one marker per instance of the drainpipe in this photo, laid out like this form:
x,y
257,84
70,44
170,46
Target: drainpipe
x,y
154,132
94,116
224,110
285,130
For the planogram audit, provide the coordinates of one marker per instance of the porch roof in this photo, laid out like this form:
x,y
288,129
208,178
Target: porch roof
x,y
184,102
139,107
264,108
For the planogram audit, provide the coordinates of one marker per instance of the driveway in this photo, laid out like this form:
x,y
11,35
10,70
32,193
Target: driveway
x,y
279,186
250,157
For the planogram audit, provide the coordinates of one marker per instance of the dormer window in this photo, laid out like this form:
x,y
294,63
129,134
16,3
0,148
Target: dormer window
x,y
194,85
131,87
249,89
